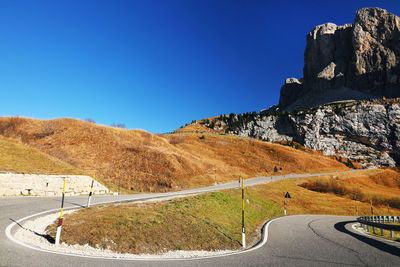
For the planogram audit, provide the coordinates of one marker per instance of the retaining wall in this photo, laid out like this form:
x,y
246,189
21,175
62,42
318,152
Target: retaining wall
x,y
48,185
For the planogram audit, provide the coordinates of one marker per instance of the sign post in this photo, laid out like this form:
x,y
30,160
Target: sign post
x,y
287,196
91,192
60,221
243,228
119,182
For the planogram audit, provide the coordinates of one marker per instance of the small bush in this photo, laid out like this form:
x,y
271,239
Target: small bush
x,y
47,129
118,125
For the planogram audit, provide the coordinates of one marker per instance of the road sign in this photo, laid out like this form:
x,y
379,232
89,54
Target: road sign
x,y
287,195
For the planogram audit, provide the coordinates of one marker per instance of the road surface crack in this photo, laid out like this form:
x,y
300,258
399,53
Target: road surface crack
x,y
335,243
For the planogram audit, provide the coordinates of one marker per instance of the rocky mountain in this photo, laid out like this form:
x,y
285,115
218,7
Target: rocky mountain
x,y
345,104
366,131
354,61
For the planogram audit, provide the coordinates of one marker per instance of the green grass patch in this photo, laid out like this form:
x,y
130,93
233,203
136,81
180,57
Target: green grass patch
x,y
205,222
210,221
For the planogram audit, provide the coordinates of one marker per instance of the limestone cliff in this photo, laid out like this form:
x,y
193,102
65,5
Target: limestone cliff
x,y
367,130
354,61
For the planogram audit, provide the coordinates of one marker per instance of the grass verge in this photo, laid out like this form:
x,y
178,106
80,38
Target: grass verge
x,y
210,221
386,234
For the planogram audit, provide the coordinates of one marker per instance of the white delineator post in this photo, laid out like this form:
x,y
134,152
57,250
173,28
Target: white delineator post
x,y
60,221
286,199
91,192
243,228
284,207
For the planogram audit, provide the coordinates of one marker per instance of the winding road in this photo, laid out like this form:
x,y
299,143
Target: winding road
x,y
302,240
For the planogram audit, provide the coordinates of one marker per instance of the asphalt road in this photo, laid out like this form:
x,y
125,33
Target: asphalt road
x,y
303,240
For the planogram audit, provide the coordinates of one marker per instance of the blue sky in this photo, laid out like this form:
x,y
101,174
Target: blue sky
x,y
155,65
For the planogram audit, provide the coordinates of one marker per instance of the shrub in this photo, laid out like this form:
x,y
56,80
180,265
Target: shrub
x,y
212,124
118,125
46,129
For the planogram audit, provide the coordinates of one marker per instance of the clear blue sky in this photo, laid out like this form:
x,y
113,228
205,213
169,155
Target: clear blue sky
x,y
155,65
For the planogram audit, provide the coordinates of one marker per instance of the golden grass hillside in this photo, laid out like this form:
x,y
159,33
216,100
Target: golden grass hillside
x,y
376,186
147,162
200,126
20,158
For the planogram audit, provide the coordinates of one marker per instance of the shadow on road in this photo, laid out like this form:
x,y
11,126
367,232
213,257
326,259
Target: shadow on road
x,y
370,241
72,203
46,236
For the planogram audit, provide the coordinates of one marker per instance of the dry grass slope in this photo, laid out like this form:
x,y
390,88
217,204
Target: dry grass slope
x,y
379,186
147,162
20,158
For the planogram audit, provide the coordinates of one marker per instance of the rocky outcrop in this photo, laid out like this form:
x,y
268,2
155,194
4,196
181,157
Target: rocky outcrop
x,y
366,131
290,91
354,61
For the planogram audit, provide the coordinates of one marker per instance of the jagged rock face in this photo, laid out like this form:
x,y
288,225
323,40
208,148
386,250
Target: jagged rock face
x,y
354,61
366,131
376,43
326,57
290,91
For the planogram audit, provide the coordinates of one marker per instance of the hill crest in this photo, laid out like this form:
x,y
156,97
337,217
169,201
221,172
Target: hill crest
x,y
147,162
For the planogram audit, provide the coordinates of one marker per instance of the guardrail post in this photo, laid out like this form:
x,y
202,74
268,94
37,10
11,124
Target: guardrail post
x,y
382,231
391,234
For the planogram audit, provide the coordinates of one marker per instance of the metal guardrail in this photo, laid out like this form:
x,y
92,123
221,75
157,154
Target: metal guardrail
x,y
379,222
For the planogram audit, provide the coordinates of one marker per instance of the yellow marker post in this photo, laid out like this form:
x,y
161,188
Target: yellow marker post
x,y
243,228
60,221
91,191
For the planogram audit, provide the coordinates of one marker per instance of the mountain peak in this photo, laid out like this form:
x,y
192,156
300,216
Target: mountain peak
x,y
349,62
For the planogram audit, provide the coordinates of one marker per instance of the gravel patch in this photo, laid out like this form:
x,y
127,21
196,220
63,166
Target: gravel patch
x,y
33,232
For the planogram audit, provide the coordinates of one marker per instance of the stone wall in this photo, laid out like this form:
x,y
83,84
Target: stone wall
x,y
47,185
